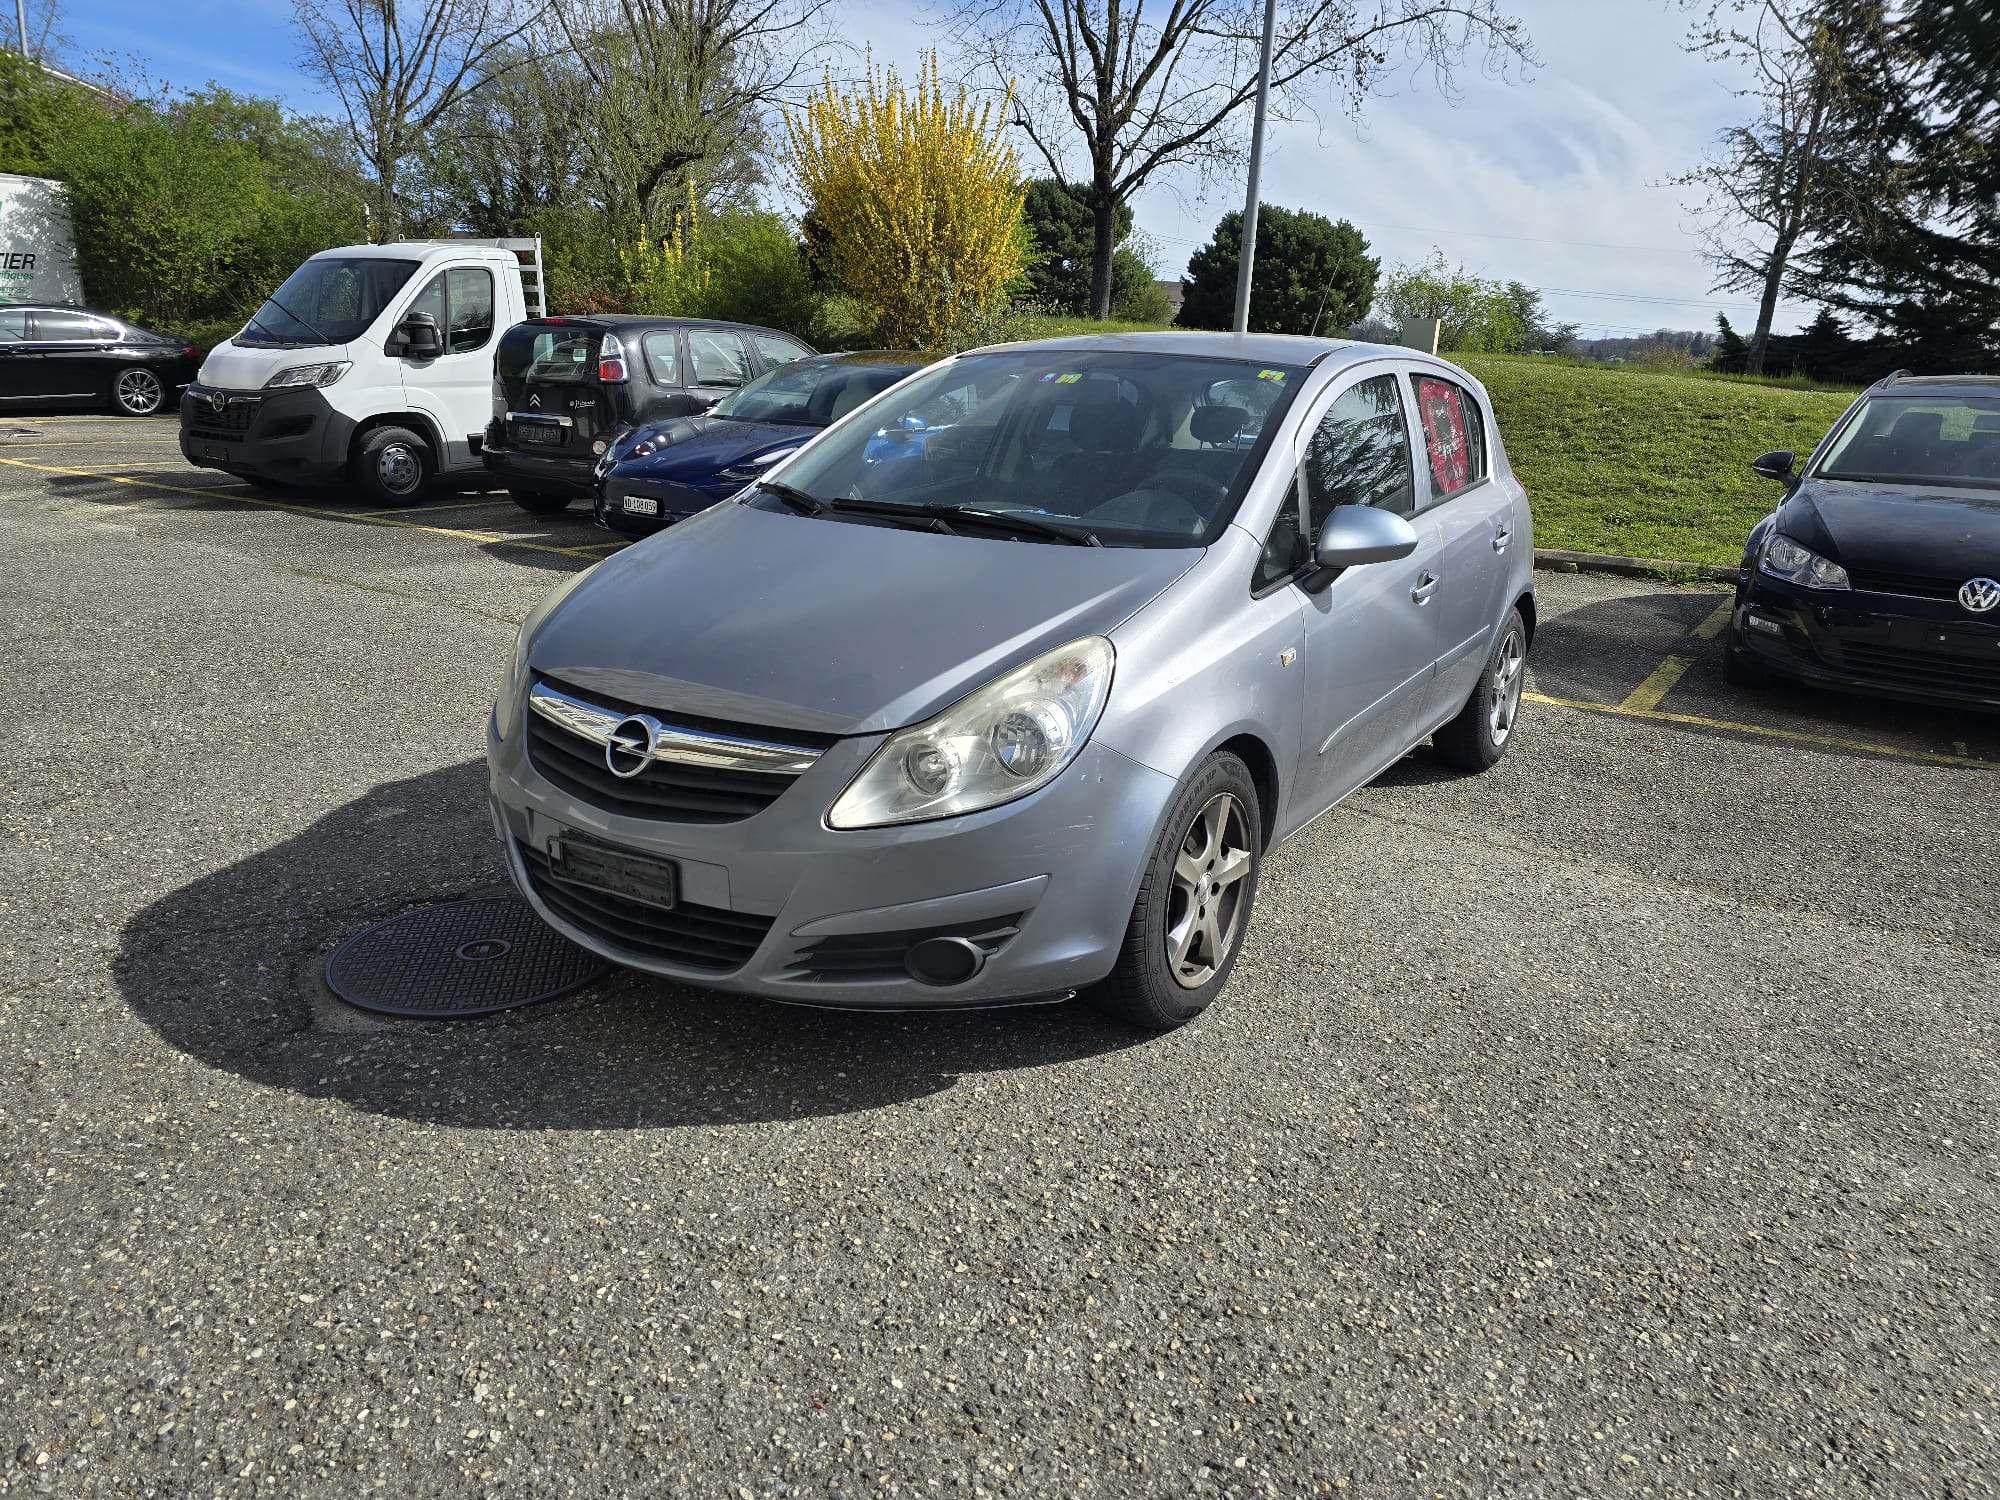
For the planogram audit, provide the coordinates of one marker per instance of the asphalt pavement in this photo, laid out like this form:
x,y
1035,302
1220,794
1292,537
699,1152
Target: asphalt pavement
x,y
1619,1122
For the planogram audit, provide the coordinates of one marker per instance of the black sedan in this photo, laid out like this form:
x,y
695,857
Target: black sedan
x,y
56,355
666,471
1880,571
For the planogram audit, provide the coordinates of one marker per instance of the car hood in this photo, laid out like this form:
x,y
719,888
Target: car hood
x,y
232,367
799,622
695,447
1882,528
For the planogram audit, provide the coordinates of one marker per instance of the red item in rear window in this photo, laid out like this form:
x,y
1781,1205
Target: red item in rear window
x,y
1444,436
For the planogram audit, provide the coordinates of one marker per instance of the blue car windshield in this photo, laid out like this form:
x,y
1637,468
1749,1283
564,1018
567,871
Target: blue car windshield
x,y
328,300
1922,440
809,393
1134,449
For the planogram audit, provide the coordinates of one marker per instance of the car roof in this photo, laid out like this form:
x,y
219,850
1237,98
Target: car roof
x,y
885,357
629,320
1935,385
1253,348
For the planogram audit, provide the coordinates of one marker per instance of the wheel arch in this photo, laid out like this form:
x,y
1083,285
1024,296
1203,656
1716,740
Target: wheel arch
x,y
416,421
1263,767
1526,605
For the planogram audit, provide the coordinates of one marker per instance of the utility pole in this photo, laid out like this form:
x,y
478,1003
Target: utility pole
x,y
21,24
1248,256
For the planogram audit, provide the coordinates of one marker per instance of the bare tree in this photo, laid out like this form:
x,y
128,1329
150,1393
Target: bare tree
x,y
1777,184
681,88
1113,92
398,66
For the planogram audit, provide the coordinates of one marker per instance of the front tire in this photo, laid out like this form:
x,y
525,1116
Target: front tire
x,y
138,392
539,502
394,466
1194,904
1484,728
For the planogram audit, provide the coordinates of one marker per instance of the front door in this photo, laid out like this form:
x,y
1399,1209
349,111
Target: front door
x,y
456,388
1371,636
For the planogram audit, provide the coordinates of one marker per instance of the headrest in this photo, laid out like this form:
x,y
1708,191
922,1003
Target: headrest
x,y
1104,427
1217,424
1987,422
1918,427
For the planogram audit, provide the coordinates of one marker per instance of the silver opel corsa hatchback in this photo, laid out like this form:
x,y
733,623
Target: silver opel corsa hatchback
x,y
1004,685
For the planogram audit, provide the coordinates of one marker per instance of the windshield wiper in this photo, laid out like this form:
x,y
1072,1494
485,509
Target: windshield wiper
x,y
1015,521
296,319
793,496
276,341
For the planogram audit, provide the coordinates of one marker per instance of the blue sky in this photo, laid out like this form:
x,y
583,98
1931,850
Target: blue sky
x,y
1554,179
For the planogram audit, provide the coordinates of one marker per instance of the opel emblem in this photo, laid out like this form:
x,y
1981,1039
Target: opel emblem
x,y
628,749
1980,595
217,401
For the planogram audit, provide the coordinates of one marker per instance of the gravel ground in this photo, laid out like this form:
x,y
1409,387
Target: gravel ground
x,y
1621,1122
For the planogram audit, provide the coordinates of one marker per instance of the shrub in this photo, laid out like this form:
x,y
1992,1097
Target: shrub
x,y
1309,270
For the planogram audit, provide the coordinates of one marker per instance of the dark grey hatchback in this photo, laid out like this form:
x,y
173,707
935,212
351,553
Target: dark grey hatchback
x,y
564,389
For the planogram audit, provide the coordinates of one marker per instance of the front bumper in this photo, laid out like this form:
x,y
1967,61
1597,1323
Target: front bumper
x,y
1888,645
676,501
294,436
1055,874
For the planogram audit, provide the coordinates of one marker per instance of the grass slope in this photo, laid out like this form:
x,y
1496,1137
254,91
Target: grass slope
x,y
1643,463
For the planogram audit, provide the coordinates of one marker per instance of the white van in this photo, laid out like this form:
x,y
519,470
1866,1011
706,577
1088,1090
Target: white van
x,y
371,366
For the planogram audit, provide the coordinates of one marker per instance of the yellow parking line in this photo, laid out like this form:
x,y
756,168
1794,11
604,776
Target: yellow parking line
x,y
300,510
1710,628
1824,741
1658,684
404,510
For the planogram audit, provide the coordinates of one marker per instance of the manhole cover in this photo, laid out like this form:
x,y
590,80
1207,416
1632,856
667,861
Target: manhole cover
x,y
464,959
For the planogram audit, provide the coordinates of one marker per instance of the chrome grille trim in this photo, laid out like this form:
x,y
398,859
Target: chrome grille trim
x,y
688,747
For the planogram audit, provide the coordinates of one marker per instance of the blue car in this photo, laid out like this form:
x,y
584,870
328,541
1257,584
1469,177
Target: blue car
x,y
667,471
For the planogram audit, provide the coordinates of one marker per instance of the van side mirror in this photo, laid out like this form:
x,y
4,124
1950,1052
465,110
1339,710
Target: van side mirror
x,y
1776,466
419,336
1356,534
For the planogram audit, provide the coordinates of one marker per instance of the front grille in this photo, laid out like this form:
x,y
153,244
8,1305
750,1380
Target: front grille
x,y
1897,666
235,417
1908,585
874,957
708,938
664,791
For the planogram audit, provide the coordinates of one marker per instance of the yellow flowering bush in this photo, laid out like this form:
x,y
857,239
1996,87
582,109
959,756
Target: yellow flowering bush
x,y
916,200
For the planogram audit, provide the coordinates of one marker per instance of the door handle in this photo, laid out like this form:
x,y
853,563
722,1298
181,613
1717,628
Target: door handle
x,y
1501,538
1426,586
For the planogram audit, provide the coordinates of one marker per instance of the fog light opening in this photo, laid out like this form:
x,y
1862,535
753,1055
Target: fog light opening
x,y
944,960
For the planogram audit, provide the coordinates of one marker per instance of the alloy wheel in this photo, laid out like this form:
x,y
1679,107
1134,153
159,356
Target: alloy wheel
x,y
1205,899
139,392
1509,677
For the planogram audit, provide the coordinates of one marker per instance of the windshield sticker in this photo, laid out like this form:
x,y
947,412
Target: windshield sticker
x,y
1070,379
1047,378
1277,375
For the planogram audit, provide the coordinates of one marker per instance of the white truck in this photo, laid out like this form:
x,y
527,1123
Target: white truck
x,y
37,255
372,365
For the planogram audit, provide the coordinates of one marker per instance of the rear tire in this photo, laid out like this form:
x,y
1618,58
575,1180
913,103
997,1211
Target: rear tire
x,y
1484,728
1194,904
394,466
539,502
138,392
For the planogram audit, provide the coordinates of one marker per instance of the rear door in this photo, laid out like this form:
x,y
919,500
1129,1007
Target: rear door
x,y
666,369
1474,516
67,356
15,367
555,403
718,362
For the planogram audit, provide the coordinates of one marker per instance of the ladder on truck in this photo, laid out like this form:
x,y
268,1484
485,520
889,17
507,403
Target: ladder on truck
x,y
528,251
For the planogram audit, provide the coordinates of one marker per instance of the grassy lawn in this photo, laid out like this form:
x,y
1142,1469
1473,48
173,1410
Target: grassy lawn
x,y
1645,463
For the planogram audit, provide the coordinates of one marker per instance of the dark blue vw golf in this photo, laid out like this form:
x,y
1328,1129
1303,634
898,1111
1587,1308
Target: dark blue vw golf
x,y
667,471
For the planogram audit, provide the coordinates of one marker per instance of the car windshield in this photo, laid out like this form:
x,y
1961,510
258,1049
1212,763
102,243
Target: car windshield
x,y
810,394
1130,448
1920,439
328,300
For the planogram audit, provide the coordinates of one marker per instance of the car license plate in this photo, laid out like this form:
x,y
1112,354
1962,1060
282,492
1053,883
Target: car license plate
x,y
636,877
640,505
550,436
214,451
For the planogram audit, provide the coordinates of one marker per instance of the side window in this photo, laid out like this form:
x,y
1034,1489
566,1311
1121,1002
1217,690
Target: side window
x,y
778,351
719,358
663,356
1360,452
1454,435
1289,546
430,300
54,327
13,325
470,302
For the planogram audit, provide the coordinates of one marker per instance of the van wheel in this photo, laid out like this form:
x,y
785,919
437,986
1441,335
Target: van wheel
x,y
394,466
1484,728
1194,904
539,502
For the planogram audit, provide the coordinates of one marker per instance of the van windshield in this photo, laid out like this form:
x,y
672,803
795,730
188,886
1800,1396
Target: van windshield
x,y
328,300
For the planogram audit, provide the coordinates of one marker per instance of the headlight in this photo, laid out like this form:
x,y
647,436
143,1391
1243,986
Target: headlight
x,y
753,468
1784,558
325,374
996,744
507,702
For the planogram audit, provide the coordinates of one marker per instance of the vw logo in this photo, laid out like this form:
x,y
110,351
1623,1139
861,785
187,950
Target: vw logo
x,y
1980,595
628,749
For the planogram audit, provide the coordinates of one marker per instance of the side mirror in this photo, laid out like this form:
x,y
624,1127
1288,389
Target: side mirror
x,y
421,339
1776,466
1356,534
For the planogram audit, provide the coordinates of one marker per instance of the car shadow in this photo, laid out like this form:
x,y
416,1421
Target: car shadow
x,y
227,969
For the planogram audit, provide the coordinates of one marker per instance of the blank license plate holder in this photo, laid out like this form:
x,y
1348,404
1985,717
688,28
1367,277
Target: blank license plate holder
x,y
636,877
